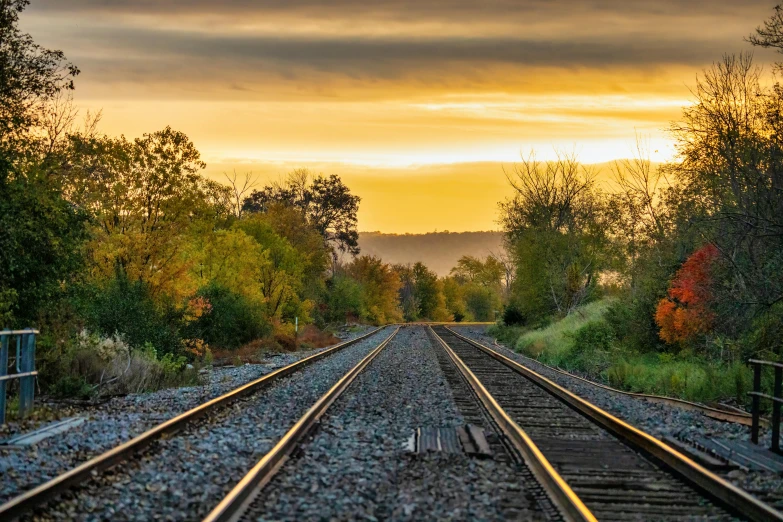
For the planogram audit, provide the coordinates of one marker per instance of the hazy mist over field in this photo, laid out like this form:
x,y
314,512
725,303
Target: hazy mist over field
x,y
438,250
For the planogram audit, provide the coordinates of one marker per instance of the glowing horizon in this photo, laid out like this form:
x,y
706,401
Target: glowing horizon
x,y
395,94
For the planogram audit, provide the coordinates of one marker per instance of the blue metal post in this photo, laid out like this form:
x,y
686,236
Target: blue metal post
x,y
4,339
27,385
754,408
18,359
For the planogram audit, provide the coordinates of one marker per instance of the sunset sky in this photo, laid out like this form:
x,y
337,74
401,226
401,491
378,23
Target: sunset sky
x,y
416,104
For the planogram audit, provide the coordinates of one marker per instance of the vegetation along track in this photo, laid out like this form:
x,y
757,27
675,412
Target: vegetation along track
x,y
198,440
615,470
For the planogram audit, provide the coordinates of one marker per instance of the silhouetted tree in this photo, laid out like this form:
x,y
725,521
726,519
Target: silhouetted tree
x,y
40,233
326,202
29,77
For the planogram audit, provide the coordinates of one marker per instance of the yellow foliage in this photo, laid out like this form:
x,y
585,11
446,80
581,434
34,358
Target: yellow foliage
x,y
231,258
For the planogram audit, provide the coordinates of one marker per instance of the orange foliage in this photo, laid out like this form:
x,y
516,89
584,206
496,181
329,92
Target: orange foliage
x,y
196,347
197,306
686,313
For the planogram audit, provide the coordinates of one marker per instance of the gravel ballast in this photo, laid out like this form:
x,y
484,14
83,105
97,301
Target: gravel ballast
x,y
120,419
183,477
660,420
357,466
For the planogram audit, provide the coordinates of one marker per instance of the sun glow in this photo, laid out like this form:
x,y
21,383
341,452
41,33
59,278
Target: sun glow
x,y
401,96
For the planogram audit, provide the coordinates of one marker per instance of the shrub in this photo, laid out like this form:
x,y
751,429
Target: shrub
x,y
590,349
97,364
686,312
285,341
343,299
229,321
126,308
513,316
595,335
75,386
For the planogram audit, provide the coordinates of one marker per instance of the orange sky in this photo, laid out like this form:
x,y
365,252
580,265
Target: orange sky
x,y
415,104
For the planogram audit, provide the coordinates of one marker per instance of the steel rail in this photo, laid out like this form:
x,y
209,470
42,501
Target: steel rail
x,y
40,494
558,490
723,492
738,417
239,498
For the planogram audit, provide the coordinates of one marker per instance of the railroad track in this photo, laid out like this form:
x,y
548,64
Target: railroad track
x,y
580,463
37,497
244,493
720,412
593,465
247,500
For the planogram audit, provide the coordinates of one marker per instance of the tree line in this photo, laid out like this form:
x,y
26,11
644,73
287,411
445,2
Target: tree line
x,y
135,266
691,251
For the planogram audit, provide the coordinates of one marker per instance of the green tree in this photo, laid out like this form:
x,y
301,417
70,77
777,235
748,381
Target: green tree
x,y
380,286
30,77
145,196
556,230
481,302
41,238
40,233
409,302
729,186
454,295
280,278
289,223
231,259
429,293
489,272
343,300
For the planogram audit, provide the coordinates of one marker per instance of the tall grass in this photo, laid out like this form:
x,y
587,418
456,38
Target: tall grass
x,y
555,342
583,342
695,380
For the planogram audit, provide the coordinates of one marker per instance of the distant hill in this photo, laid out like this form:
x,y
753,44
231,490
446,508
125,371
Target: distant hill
x,y
438,250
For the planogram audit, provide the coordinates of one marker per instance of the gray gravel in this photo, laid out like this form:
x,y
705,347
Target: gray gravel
x,y
121,419
659,420
356,467
185,476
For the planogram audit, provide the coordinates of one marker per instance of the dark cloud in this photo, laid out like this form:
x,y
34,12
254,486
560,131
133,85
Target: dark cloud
x,y
352,53
439,9
569,35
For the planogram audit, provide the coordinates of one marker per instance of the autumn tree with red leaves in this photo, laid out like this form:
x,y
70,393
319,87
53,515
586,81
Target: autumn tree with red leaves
x,y
686,313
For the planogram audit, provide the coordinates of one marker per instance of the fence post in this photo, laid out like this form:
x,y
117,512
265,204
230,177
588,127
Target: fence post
x,y
754,431
27,384
4,340
776,410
